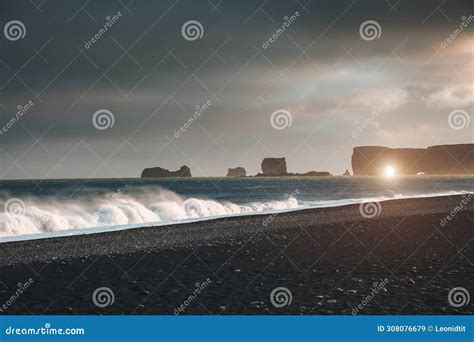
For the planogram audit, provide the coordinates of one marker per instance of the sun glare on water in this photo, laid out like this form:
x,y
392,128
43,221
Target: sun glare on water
x,y
389,171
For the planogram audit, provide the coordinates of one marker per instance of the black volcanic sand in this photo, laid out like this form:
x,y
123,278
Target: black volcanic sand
x,y
328,259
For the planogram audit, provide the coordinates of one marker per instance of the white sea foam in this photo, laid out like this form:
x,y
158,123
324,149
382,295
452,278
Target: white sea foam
x,y
53,217
41,216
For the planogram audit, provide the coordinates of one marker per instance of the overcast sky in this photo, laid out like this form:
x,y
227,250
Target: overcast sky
x,y
322,71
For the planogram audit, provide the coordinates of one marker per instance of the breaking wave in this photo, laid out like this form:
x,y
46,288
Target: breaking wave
x,y
52,215
38,217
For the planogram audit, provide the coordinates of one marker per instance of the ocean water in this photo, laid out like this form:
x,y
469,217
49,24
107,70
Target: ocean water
x,y
43,208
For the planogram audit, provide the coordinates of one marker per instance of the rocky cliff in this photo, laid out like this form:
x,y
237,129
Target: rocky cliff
x,y
155,172
434,160
237,172
274,166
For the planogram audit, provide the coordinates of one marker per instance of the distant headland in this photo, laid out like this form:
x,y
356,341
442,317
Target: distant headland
x,y
366,161
434,160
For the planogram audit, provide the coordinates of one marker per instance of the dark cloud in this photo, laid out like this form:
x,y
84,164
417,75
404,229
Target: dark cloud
x,y
152,79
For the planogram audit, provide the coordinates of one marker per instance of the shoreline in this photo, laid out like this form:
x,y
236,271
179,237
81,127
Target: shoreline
x,y
106,229
329,258
324,215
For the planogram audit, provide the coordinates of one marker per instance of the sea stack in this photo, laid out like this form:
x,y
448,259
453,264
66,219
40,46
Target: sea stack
x,y
347,173
237,172
434,160
274,167
158,172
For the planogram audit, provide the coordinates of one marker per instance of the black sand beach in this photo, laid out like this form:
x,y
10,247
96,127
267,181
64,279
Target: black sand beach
x,y
329,259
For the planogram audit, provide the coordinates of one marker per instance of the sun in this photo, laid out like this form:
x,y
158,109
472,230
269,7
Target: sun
x,y
389,171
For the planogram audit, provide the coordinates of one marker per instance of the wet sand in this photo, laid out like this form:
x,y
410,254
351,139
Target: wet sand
x,y
332,261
